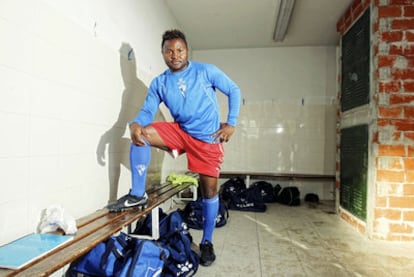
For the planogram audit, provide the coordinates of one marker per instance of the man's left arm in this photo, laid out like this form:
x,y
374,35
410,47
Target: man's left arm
x,y
227,86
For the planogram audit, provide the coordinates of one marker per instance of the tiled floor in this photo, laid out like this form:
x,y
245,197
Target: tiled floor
x,y
302,241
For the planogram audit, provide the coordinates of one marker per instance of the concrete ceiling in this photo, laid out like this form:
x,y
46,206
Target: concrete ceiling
x,y
222,24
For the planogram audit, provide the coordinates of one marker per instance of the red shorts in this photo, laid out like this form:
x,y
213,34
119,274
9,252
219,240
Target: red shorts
x,y
202,157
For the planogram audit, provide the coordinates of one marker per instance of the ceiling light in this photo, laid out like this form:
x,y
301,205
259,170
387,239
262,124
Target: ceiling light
x,y
283,18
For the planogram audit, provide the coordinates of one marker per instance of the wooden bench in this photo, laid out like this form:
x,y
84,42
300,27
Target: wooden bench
x,y
95,228
247,176
276,176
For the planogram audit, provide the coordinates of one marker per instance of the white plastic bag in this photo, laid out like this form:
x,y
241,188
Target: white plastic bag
x,y
55,218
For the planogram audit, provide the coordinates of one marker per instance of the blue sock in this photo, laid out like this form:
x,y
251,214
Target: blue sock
x,y
139,158
210,210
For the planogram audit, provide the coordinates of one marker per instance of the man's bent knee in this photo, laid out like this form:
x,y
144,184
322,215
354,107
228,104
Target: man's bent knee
x,y
153,138
208,185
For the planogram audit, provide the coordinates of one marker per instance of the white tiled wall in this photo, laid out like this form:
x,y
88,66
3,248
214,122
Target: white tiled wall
x,y
288,115
67,91
273,137
287,119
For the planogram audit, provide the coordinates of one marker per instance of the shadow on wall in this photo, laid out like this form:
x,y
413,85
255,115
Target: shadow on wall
x,y
116,140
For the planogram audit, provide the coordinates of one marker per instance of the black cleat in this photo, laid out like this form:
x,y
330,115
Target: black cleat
x,y
127,202
207,256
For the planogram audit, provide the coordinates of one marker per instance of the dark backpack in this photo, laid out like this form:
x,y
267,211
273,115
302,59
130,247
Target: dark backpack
x,y
139,264
230,187
174,237
312,197
121,255
288,195
249,199
192,214
266,190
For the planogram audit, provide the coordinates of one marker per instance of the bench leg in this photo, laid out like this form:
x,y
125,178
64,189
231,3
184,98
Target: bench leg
x,y
247,180
193,189
155,226
155,223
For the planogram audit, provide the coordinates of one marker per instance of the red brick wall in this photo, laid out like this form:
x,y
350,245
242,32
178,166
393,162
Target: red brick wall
x,y
351,15
393,99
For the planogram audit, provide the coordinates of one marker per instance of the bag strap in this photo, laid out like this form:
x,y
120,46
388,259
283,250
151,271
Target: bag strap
x,y
226,209
139,245
120,251
137,251
225,217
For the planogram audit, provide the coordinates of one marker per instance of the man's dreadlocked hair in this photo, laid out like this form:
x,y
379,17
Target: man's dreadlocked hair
x,y
172,34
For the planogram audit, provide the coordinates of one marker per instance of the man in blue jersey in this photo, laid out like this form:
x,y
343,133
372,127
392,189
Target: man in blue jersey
x,y
188,89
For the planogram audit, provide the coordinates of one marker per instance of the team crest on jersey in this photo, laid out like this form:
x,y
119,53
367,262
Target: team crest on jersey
x,y
182,86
